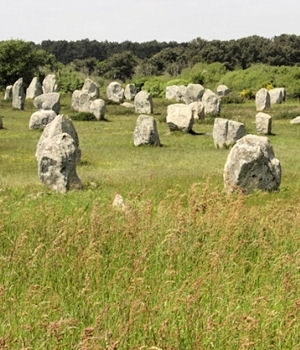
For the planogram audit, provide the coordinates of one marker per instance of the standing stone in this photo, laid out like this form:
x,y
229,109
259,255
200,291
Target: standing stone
x,y
81,101
115,92
197,109
211,102
127,104
145,132
41,118
130,92
277,95
8,92
57,155
50,84
175,92
34,89
263,123
98,108
251,165
18,94
262,100
48,101
180,117
143,102
91,88
227,132
194,92
119,202
223,90
295,120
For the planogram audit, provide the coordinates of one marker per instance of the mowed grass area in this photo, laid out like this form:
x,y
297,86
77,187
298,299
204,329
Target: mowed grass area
x,y
184,267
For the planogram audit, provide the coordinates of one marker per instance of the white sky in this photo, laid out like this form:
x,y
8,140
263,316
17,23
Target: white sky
x,y
146,20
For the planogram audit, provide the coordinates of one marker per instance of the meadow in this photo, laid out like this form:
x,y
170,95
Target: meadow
x,y
185,266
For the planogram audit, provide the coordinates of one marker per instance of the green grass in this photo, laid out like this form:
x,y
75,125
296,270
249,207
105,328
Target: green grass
x,y
184,267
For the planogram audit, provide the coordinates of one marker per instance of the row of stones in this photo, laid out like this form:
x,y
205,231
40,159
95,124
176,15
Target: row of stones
x,y
251,163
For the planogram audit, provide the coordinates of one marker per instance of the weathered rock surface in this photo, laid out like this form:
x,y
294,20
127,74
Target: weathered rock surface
x,y
41,118
34,89
48,101
130,92
211,102
175,92
262,100
119,202
143,102
81,101
251,165
8,92
227,132
223,90
18,94
263,123
180,117
115,92
57,154
295,120
50,84
145,132
277,95
127,104
98,108
91,88
193,92
197,109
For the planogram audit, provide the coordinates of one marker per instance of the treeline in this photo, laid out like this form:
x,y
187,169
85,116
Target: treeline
x,y
173,57
247,63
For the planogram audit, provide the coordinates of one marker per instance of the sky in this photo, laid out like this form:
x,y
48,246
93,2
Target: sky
x,y
146,20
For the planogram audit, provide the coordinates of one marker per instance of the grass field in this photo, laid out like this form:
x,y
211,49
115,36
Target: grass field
x,y
184,267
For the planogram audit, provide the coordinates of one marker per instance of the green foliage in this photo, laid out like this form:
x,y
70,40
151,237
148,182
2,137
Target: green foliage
x,y
82,116
119,66
20,59
258,76
139,82
68,79
205,74
156,86
172,57
247,94
88,66
178,82
233,97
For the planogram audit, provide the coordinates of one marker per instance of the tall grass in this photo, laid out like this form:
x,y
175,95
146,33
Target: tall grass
x,y
184,266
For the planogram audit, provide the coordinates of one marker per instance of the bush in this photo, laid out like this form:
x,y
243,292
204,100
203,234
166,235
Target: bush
x,y
69,81
155,86
178,82
139,83
233,97
205,74
83,116
247,94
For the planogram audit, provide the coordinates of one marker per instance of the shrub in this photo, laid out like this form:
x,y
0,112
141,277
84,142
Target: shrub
x,y
139,82
178,81
83,116
233,97
247,94
69,80
155,86
205,74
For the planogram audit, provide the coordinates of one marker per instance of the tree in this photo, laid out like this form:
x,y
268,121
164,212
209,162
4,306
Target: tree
x,y
20,59
119,66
